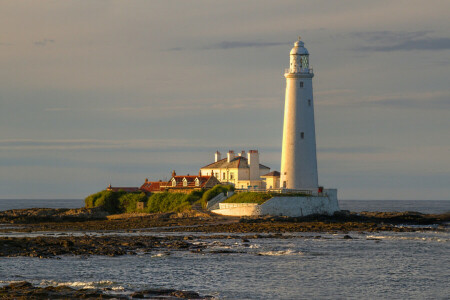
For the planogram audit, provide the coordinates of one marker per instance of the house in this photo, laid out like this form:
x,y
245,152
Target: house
x,y
243,172
272,180
189,183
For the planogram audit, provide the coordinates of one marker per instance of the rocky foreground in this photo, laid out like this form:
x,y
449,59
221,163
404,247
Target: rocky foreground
x,y
25,290
96,233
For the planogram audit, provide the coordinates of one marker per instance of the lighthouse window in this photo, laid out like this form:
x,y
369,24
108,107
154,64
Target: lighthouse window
x,y
301,84
302,135
309,102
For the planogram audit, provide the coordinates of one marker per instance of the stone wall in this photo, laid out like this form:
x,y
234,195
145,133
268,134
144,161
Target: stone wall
x,y
283,206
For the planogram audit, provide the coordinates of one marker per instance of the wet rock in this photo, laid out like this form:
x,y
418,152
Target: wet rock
x,y
25,290
347,237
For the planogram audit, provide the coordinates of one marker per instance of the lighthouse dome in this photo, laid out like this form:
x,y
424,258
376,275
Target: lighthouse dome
x,y
299,48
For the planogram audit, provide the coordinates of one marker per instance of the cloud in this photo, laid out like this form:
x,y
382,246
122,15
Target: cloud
x,y
439,100
92,144
387,41
225,45
355,149
44,42
428,100
58,109
235,44
131,145
178,106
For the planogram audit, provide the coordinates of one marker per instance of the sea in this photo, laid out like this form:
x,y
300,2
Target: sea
x,y
382,265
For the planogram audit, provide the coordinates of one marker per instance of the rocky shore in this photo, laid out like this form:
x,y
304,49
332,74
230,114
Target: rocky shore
x,y
48,246
32,220
25,290
100,236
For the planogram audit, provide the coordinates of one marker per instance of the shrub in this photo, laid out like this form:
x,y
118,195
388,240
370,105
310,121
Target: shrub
x,y
115,202
166,202
216,190
128,201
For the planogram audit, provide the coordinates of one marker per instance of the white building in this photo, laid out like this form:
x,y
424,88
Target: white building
x,y
243,172
298,158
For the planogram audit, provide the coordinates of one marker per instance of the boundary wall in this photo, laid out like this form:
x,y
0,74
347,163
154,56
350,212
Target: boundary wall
x,y
284,206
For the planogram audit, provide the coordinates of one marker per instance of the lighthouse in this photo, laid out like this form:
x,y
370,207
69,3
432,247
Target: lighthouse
x,y
298,157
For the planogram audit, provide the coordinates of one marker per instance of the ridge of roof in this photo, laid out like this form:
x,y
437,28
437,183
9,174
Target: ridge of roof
x,y
273,173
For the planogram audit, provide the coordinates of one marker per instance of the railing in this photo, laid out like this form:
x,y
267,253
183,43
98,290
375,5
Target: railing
x,y
304,71
278,191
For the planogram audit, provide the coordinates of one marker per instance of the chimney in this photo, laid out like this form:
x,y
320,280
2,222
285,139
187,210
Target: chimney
x,y
253,162
217,156
174,173
242,153
200,173
146,180
230,155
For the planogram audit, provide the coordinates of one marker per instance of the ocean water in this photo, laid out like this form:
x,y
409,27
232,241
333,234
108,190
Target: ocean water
x,y
384,265
423,206
370,266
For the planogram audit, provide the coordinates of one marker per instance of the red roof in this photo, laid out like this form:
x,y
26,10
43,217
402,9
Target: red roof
x,y
153,186
125,189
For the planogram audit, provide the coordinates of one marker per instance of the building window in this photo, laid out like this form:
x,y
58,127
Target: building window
x,y
231,175
309,102
184,182
301,84
224,176
197,182
302,135
174,182
217,175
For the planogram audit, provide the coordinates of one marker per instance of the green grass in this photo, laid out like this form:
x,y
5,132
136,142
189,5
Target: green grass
x,y
249,197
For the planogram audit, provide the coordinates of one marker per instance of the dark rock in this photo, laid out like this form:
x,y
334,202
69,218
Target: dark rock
x,y
347,237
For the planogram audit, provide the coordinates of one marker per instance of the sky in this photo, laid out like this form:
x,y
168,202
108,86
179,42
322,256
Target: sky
x,y
98,92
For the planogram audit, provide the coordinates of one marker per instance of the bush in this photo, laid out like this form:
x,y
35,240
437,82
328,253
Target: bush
x,y
115,202
211,193
167,202
128,201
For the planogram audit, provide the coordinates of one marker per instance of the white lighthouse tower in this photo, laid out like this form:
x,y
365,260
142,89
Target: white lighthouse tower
x,y
298,158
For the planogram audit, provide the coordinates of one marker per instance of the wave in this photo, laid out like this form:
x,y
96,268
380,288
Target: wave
x,y
84,284
411,238
281,253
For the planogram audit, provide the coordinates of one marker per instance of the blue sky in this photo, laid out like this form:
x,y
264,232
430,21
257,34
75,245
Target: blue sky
x,y
93,92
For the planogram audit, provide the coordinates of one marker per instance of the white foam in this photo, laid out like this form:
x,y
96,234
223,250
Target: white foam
x,y
161,254
281,253
82,284
410,238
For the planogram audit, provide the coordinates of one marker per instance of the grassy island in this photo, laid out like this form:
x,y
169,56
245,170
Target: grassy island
x,y
124,202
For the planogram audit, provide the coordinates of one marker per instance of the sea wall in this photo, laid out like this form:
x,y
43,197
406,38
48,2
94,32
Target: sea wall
x,y
238,209
284,206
